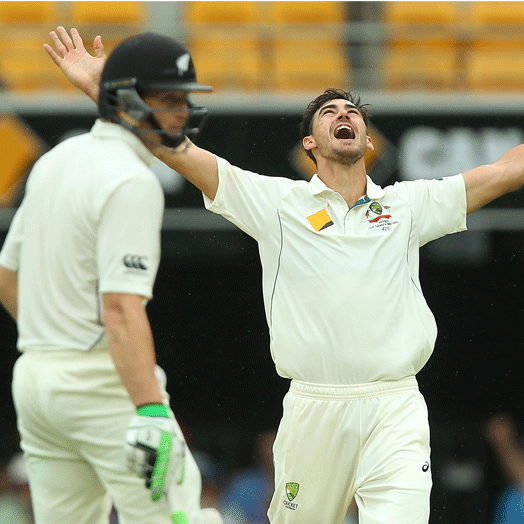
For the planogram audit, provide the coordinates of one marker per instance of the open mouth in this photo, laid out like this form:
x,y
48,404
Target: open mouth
x,y
344,132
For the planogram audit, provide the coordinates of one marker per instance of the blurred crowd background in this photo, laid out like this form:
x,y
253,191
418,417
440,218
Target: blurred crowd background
x,y
290,46
446,86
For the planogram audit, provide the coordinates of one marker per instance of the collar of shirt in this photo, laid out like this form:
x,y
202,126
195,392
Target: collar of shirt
x,y
106,129
373,191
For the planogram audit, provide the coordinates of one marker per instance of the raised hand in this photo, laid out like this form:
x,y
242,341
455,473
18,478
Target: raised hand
x,y
82,69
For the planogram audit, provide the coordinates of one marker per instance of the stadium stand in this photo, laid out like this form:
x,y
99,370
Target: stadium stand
x,y
288,46
315,13
204,13
279,46
491,69
19,13
108,12
422,49
493,58
486,15
307,49
305,65
115,20
24,64
225,43
24,26
228,62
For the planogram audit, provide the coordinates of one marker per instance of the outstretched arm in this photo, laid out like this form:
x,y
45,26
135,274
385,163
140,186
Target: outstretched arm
x,y
194,163
81,68
486,183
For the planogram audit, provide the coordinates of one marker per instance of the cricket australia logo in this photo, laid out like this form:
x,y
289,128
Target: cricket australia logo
x,y
291,490
291,493
379,216
376,212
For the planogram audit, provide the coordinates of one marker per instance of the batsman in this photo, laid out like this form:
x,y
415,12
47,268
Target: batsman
x,y
76,271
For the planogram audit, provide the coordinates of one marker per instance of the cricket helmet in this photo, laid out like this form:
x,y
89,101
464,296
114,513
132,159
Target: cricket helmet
x,y
148,61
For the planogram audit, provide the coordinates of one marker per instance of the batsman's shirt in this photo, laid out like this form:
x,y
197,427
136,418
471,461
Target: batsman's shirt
x,y
341,286
89,224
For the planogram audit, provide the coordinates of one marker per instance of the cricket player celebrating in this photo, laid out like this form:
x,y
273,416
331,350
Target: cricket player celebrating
x,y
354,421
76,270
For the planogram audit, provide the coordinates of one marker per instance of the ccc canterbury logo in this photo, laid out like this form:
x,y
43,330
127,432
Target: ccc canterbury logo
x,y
135,261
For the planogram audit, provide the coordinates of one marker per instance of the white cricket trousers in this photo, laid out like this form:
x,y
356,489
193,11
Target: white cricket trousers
x,y
72,413
367,441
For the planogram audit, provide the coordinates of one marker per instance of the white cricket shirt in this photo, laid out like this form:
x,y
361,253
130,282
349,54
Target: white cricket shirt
x,y
341,288
89,224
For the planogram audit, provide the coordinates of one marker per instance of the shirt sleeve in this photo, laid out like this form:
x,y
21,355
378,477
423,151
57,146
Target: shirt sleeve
x,y
247,199
439,206
128,242
10,254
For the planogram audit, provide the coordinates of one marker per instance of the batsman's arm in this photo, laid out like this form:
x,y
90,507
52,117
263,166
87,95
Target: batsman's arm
x,y
131,345
9,290
153,448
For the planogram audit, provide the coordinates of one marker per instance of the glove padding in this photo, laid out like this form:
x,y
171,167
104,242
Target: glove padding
x,y
154,450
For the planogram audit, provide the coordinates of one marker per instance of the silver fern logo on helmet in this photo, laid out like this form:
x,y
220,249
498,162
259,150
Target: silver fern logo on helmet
x,y
182,64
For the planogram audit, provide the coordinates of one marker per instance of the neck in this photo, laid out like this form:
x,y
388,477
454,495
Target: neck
x,y
350,182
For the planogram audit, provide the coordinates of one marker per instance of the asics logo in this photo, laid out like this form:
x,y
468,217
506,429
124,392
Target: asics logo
x,y
425,467
135,261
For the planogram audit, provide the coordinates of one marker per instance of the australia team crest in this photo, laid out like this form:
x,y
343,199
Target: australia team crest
x,y
379,216
292,490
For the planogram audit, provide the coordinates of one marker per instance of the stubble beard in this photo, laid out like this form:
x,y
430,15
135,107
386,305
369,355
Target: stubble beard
x,y
349,156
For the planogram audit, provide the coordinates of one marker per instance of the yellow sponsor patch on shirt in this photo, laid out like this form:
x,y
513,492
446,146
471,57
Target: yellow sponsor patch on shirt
x,y
320,220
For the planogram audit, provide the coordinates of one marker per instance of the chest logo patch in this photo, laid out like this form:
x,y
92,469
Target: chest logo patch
x,y
320,220
376,212
379,216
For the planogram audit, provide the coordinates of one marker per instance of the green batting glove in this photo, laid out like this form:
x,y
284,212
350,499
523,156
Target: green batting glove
x,y
153,448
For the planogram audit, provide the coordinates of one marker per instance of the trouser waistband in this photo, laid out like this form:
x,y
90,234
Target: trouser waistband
x,y
352,392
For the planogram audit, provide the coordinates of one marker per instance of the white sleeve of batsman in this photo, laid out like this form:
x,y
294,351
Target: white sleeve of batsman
x,y
128,249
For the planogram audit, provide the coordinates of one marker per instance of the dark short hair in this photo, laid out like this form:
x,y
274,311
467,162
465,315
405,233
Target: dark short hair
x,y
306,125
